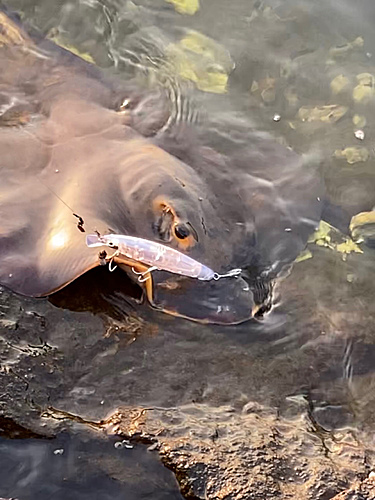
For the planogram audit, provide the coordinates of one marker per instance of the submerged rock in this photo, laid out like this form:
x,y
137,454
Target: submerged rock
x,y
219,453
364,489
330,237
353,154
185,6
339,84
201,60
326,114
362,227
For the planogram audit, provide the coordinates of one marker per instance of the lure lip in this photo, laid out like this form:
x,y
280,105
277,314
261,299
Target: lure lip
x,y
93,240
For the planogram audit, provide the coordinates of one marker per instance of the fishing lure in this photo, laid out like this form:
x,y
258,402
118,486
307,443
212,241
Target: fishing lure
x,y
157,256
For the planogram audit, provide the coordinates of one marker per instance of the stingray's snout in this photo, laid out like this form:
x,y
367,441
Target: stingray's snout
x,y
93,240
223,302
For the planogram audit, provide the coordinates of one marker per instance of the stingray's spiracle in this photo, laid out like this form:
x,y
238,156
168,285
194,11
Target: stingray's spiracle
x,y
157,256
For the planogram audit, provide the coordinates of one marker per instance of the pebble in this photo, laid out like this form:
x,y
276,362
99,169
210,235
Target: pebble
x,y
359,134
124,104
276,117
153,447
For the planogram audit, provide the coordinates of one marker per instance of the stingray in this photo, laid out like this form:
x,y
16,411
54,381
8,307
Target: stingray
x,y
82,151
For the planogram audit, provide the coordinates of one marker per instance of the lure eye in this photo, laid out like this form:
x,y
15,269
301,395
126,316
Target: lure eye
x,y
181,231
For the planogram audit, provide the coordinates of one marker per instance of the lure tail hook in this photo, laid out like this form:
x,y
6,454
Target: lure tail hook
x,y
233,272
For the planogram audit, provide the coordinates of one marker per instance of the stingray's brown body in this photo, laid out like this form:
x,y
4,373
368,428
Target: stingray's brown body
x,y
68,145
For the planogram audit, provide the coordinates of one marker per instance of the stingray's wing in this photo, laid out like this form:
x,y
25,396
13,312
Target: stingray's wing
x,y
41,246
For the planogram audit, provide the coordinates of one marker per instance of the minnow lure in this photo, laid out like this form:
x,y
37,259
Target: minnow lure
x,y
157,256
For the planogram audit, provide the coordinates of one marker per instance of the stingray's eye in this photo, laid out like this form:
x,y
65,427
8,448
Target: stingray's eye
x,y
164,224
171,228
181,231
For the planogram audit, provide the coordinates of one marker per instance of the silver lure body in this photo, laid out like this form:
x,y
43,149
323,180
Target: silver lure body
x,y
154,255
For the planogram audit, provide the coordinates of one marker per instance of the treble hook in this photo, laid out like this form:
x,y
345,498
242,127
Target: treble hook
x,y
112,268
141,276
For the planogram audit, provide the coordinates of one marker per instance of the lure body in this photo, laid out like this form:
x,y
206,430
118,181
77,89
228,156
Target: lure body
x,y
154,255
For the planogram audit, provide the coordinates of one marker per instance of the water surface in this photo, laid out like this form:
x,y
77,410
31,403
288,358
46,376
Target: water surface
x,y
314,349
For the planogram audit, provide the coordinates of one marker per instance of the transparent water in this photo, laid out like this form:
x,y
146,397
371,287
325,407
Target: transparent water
x,y
316,344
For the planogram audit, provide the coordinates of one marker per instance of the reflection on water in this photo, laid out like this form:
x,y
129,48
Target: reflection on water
x,y
304,71
77,466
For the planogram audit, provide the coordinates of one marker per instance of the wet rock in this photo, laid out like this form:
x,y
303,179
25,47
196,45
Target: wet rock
x,y
221,453
12,430
361,490
8,323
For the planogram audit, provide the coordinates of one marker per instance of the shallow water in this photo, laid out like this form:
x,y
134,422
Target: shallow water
x,y
77,466
314,350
